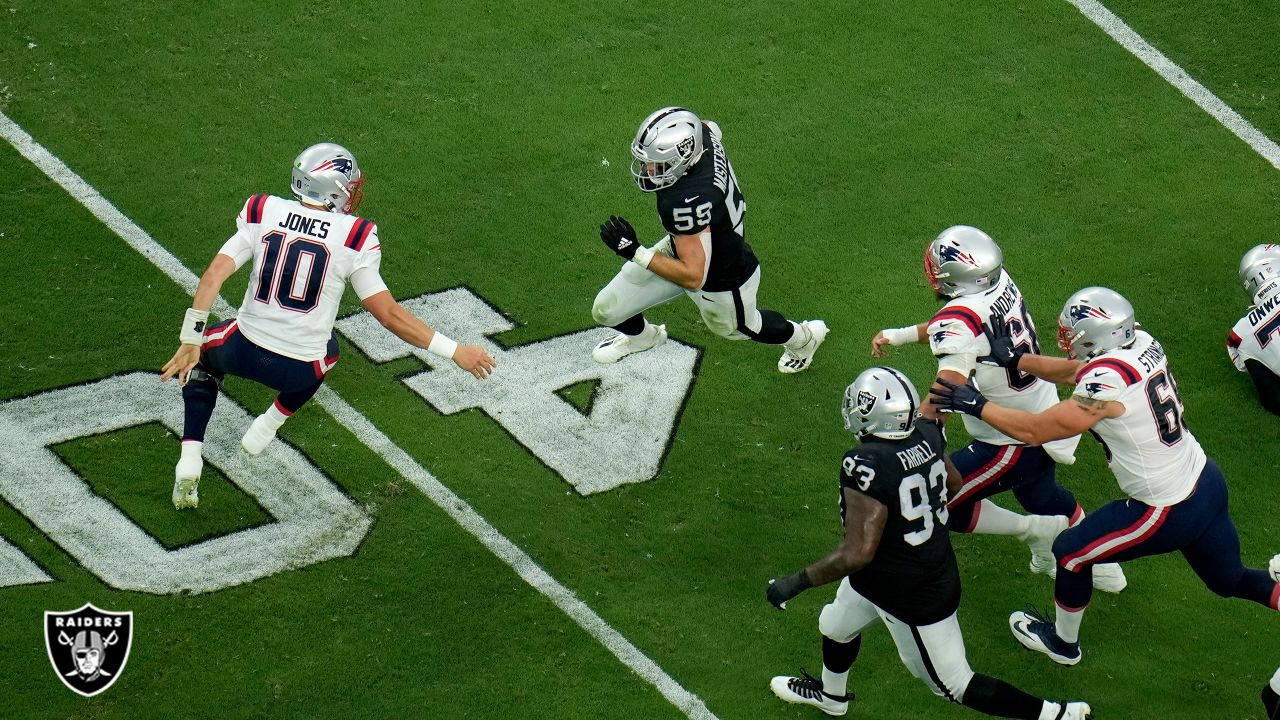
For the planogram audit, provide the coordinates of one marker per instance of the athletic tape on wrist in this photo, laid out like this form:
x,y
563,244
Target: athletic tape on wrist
x,y
643,256
902,335
442,346
192,332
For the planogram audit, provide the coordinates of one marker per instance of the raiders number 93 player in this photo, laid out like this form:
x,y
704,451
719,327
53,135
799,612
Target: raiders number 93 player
x,y
895,565
704,255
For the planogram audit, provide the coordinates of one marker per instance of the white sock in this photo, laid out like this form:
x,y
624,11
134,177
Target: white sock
x,y
1050,710
273,418
834,683
995,520
1067,623
1275,681
799,336
191,450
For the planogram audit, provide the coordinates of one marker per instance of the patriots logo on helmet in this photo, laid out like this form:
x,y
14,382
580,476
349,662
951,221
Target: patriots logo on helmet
x,y
1094,388
341,164
951,253
1080,312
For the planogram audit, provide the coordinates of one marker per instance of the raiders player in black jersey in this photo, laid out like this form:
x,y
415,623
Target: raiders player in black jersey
x,y
895,564
704,255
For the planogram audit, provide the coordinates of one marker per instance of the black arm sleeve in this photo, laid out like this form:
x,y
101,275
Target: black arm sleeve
x,y
1267,383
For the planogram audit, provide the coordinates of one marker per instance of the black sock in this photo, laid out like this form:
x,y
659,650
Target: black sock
x,y
774,329
998,698
633,325
198,396
1271,701
838,657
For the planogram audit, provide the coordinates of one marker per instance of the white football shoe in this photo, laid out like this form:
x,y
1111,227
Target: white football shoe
x,y
807,690
186,482
258,436
1037,632
1043,530
1274,569
793,361
1077,711
621,345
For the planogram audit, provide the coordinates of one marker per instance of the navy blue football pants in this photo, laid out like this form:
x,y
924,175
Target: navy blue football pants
x,y
1199,527
226,351
990,469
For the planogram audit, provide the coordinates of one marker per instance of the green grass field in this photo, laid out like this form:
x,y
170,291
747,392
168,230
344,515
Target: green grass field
x,y
858,131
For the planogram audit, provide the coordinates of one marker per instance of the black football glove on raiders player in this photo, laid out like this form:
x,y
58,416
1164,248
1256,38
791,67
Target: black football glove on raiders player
x,y
958,398
1003,353
782,589
620,237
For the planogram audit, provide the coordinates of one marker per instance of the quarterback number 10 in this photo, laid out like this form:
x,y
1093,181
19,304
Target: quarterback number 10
x,y
284,275
683,218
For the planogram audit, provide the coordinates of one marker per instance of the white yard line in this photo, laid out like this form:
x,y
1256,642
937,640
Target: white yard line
x,y
1177,77
350,418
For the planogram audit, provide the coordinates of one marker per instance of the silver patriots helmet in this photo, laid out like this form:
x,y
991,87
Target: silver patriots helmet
x,y
962,260
1093,321
667,144
326,174
1260,272
880,402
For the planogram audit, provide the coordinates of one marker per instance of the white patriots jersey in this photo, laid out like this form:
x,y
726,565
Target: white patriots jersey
x,y
302,261
1154,456
957,340
1257,336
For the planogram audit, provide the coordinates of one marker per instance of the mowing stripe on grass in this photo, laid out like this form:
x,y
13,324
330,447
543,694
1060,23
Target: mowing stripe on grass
x,y
365,431
1187,85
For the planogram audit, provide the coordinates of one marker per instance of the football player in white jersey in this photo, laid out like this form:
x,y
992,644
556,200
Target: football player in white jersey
x,y
1176,498
966,269
304,253
1254,343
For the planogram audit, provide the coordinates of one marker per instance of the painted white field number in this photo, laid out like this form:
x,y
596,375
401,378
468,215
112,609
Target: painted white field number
x,y
314,520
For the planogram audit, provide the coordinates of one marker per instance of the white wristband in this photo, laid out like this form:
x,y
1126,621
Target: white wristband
x,y
192,332
442,346
643,256
902,335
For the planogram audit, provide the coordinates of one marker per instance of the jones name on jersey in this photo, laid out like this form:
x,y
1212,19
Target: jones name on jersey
x,y
913,575
707,197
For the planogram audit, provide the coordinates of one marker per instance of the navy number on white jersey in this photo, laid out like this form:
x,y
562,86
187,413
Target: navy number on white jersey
x,y
292,292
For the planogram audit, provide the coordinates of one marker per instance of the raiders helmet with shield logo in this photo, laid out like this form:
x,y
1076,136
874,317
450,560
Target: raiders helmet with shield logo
x,y
667,144
326,174
962,260
1093,321
880,402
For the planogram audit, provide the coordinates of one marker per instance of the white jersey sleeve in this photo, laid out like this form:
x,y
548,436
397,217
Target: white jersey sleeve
x,y
1257,337
366,279
239,247
954,336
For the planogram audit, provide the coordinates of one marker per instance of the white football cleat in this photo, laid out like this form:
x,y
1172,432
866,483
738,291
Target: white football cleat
x,y
1037,632
621,345
807,690
1042,531
793,361
1077,711
186,483
258,436
1274,569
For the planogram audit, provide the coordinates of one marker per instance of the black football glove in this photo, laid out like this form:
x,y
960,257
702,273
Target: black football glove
x,y
1003,353
958,398
782,589
619,236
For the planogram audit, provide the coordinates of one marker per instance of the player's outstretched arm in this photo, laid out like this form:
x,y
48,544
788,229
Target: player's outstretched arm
x,y
689,270
191,336
405,326
864,519
1066,419
899,336
1005,354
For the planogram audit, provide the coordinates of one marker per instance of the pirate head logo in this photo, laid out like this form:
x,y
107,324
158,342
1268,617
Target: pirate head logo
x,y
88,647
866,401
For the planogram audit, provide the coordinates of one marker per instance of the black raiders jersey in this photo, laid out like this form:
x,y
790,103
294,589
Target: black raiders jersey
x,y
913,575
708,196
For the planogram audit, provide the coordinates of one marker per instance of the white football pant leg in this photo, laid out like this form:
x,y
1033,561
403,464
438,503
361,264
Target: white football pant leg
x,y
848,615
934,654
725,312
633,290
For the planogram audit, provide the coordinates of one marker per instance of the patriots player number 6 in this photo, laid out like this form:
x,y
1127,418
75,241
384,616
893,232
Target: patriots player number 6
x,y
283,276
922,500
